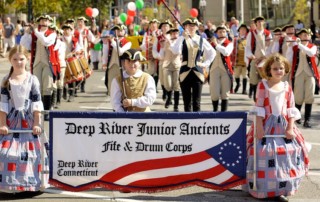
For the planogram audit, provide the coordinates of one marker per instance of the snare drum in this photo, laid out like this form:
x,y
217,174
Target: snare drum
x,y
85,66
73,71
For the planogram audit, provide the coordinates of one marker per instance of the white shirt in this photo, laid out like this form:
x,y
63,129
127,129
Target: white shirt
x,y
148,98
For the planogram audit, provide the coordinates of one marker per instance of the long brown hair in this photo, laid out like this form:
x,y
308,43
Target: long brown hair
x,y
17,49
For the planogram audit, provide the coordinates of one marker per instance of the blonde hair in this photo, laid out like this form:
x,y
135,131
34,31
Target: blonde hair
x,y
276,57
17,49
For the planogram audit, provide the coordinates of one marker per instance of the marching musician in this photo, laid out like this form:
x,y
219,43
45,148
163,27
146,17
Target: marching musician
x,y
240,68
158,45
87,37
192,71
147,44
221,73
255,52
134,90
44,63
111,54
304,73
69,48
171,64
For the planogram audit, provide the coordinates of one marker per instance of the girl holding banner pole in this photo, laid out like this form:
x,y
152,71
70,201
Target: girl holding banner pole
x,y
20,109
280,150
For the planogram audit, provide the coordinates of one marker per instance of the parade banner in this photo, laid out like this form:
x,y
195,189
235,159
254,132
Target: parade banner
x,y
147,152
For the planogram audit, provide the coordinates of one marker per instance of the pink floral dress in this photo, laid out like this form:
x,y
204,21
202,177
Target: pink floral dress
x,y
281,163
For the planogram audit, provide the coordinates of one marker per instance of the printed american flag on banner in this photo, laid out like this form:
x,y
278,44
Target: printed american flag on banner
x,y
220,167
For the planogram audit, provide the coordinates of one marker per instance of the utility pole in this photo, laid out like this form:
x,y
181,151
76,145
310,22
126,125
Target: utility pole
x,y
30,17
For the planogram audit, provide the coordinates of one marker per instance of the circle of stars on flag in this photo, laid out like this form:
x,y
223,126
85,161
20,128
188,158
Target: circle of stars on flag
x,y
225,148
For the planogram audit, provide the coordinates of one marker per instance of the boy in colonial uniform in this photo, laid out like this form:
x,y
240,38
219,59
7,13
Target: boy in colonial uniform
x,y
221,73
304,73
134,91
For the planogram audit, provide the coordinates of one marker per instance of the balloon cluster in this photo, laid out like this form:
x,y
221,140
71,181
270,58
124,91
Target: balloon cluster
x,y
92,12
128,17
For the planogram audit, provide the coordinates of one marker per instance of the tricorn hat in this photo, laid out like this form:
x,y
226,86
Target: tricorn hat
x,y
258,18
70,20
133,54
83,18
119,27
284,28
221,27
154,21
277,29
67,26
188,21
165,22
44,17
172,30
304,30
244,26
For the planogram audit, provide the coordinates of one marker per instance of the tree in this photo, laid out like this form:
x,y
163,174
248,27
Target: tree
x,y
301,11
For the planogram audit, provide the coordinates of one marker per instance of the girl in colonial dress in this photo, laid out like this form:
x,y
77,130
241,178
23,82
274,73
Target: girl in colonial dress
x,y
281,162
20,109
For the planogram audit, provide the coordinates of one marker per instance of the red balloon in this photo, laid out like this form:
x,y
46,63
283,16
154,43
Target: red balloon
x,y
129,20
194,12
131,13
89,11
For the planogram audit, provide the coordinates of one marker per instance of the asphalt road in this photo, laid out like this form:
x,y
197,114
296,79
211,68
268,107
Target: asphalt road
x,y
95,99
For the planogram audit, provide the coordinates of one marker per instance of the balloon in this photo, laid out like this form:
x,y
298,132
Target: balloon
x,y
131,13
136,28
95,12
97,47
132,6
139,4
123,17
194,12
129,20
89,11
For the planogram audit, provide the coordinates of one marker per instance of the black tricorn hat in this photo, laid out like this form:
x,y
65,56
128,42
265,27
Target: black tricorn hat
x,y
119,27
66,26
277,29
284,28
188,21
172,30
70,20
154,21
165,22
44,16
244,26
83,18
258,18
221,27
304,30
133,54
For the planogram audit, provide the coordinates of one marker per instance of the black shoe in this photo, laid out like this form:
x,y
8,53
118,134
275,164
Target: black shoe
x,y
82,90
46,117
175,109
307,124
71,99
298,121
283,198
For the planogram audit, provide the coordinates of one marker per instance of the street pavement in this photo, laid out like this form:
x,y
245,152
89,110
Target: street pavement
x,y
95,99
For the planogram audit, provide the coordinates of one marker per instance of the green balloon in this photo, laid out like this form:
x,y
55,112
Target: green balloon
x,y
97,47
136,28
123,17
139,4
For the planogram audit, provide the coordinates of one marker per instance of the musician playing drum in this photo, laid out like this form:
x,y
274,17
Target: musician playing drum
x,y
255,52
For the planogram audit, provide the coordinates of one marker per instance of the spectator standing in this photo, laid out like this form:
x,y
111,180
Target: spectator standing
x,y
18,32
299,25
9,40
211,28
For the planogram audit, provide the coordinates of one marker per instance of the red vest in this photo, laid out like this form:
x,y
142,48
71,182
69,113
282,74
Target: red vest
x,y
226,60
253,38
53,55
311,61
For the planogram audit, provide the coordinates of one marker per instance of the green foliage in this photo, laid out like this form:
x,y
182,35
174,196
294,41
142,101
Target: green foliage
x,y
62,9
301,12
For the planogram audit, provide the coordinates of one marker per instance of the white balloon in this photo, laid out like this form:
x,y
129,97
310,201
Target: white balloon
x,y
132,6
95,12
